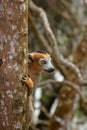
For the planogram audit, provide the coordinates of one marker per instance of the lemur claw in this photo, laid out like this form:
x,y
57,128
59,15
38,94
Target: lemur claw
x,y
28,82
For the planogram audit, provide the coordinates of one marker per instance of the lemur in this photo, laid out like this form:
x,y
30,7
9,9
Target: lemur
x,y
38,61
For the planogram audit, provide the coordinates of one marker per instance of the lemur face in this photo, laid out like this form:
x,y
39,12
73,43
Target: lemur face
x,y
46,64
41,61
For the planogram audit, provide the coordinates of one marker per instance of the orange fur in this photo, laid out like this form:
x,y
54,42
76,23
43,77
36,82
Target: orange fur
x,y
32,79
34,69
40,55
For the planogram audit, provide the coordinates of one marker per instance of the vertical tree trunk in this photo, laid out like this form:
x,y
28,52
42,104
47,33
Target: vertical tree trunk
x,y
14,108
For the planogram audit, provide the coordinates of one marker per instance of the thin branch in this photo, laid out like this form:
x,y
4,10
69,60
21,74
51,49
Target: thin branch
x,y
34,128
83,83
71,66
63,14
44,122
45,111
68,83
43,42
42,14
73,19
61,61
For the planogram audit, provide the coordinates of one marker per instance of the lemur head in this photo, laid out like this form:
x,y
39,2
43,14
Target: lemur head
x,y
41,61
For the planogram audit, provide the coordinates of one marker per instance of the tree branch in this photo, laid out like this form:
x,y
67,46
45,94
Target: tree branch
x,y
63,14
45,111
43,122
42,14
43,42
65,82
73,19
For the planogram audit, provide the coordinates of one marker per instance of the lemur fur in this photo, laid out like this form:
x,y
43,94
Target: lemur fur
x,y
38,61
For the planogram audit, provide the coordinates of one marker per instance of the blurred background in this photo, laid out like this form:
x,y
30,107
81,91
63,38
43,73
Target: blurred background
x,y
60,28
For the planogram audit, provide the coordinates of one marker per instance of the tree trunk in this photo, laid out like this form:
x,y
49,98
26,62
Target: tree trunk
x,y
14,107
68,97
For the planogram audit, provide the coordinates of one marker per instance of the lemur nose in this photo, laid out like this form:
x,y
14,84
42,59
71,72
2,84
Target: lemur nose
x,y
52,69
49,70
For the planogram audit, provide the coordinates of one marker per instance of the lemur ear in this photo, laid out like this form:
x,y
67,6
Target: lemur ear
x,y
30,57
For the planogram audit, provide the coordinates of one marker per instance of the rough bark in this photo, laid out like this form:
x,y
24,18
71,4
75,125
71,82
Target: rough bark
x,y
14,108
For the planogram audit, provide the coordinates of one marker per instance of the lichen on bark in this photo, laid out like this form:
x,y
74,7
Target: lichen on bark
x,y
14,107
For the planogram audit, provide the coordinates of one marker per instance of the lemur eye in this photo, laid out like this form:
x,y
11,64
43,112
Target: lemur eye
x,y
43,62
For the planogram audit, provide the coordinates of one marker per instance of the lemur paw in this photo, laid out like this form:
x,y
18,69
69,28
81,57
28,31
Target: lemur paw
x,y
28,82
